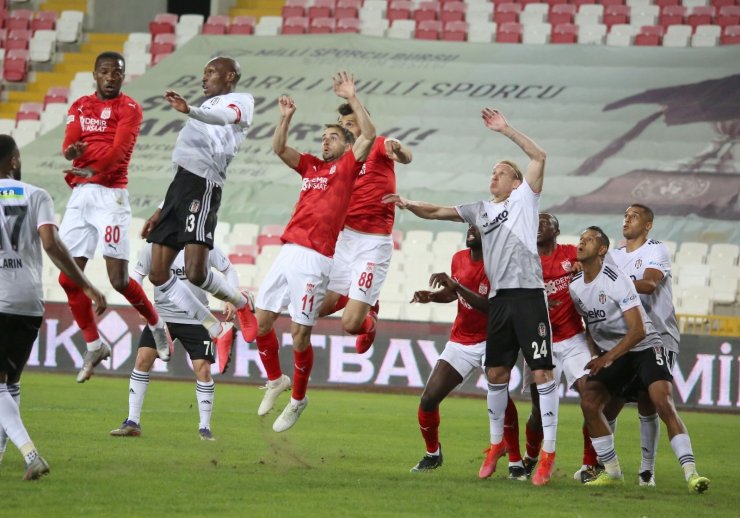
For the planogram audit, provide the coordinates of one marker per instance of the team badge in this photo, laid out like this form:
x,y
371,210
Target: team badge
x,y
194,206
567,266
638,263
370,267
483,288
333,169
542,330
602,297
105,114
310,288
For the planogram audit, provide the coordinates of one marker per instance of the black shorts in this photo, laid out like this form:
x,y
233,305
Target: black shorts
x,y
190,212
19,334
518,321
632,391
193,337
634,372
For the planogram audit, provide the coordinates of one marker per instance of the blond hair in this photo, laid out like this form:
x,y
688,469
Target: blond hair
x,y
517,172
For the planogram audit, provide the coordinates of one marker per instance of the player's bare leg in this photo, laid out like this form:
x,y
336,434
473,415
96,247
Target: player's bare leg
x,y
269,349
359,318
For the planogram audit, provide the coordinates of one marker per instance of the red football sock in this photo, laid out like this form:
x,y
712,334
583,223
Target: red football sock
x,y
367,325
301,372
269,354
534,441
138,299
589,454
341,303
511,432
81,307
429,426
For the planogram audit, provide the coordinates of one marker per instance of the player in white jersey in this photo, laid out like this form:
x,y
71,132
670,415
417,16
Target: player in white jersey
x,y
184,330
517,317
187,219
631,349
648,263
26,224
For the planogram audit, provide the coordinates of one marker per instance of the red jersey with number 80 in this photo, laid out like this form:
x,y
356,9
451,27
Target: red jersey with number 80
x,y
109,127
366,212
557,271
469,327
322,205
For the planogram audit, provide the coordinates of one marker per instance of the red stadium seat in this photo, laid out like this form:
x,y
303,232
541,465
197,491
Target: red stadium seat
x,y
722,3
272,230
219,19
506,13
44,21
214,28
702,15
156,58
263,241
165,38
242,25
241,259
564,33
293,11
556,2
579,3
455,31
615,14
663,3
650,36
161,28
19,19
728,15
730,35
347,9
15,66
246,252
428,30
608,3
347,25
18,39
321,9
295,25
452,12
29,111
324,25
561,13
509,32
56,94
426,11
3,36
166,18
161,48
672,15
399,10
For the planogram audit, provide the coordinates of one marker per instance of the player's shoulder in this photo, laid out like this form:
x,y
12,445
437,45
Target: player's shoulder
x,y
576,278
17,190
129,103
654,242
244,97
611,272
461,255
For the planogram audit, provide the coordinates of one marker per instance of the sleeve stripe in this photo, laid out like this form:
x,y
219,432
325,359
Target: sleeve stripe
x,y
237,110
610,273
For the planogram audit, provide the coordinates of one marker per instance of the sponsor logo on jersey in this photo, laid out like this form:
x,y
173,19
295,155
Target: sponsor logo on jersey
x,y
638,263
499,220
105,114
596,315
92,125
541,329
11,264
194,206
12,193
314,183
602,297
630,298
363,171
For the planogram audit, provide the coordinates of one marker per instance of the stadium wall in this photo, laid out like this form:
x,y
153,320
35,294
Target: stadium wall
x,y
707,375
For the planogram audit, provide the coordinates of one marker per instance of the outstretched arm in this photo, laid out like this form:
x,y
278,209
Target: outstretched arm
x,y
534,175
397,151
423,209
287,154
219,115
477,301
344,87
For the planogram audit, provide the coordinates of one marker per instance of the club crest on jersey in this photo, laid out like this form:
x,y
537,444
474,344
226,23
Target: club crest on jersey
x,y
638,263
370,267
542,330
483,288
333,169
602,297
105,114
567,266
310,288
194,206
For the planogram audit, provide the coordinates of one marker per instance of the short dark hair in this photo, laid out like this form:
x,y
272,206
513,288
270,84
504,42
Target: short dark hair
x,y
553,218
647,211
346,109
348,136
7,146
109,54
602,235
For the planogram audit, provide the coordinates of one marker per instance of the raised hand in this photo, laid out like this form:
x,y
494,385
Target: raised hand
x,y
98,299
392,148
422,297
177,101
75,150
494,119
399,202
344,85
442,280
286,105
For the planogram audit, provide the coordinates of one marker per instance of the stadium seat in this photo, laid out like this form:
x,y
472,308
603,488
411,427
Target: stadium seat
x,y
428,30
162,47
692,275
730,35
399,10
418,312
294,9
536,33
15,66
272,230
218,19
295,25
418,239
592,34
29,111
156,27
68,31
721,3
693,252
44,21
663,3
672,15
401,29
564,33
614,14
53,115
644,15
426,11
215,28
531,17
700,16
649,35
169,18
561,13
455,31
677,36
321,9
56,94
590,13
481,31
373,27
723,254
321,25
506,13
18,39
347,25
19,19
453,12
510,32
478,12
728,15
242,25
347,9
244,234
26,131
694,303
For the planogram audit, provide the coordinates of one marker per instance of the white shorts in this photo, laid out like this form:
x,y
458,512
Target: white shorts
x,y
361,263
570,357
97,217
297,280
464,358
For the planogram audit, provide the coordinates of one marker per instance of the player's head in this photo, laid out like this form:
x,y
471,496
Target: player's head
x,y
335,141
594,244
109,73
348,119
638,221
220,76
548,229
472,238
505,177
10,158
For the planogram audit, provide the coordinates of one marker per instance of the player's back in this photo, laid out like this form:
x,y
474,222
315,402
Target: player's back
x,y
23,208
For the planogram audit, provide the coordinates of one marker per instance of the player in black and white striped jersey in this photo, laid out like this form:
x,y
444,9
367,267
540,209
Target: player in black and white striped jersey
x,y
631,349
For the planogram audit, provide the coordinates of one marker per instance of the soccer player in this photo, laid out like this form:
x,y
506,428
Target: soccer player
x,y
517,312
463,353
569,347
187,218
365,246
99,139
631,348
26,224
300,273
648,263
189,333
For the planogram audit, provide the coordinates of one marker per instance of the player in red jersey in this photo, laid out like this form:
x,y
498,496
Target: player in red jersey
x,y
99,139
300,274
463,353
570,349
365,246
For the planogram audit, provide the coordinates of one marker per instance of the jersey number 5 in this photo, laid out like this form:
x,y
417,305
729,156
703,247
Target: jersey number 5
x,y
18,212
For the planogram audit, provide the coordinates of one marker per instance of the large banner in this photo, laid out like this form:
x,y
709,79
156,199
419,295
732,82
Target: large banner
x,y
706,376
654,125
